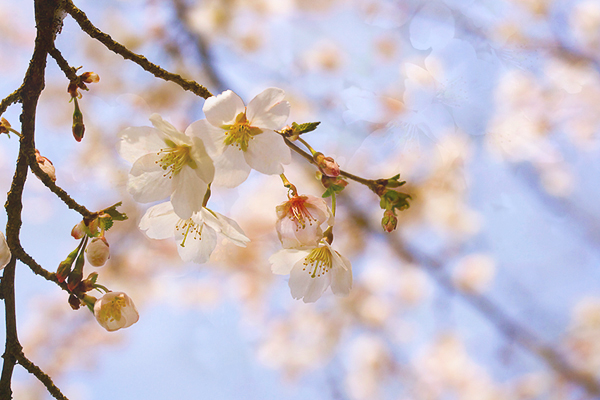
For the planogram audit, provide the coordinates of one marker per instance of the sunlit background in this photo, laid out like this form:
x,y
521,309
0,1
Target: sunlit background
x,y
489,288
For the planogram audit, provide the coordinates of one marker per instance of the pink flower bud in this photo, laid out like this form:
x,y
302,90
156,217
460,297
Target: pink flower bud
x,y
327,165
45,165
389,221
90,77
78,230
115,310
97,252
64,269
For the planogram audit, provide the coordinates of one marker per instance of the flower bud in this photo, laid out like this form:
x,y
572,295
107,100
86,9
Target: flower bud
x,y
45,165
98,252
328,182
4,252
115,310
90,77
327,165
78,126
64,269
389,221
4,126
78,230
74,302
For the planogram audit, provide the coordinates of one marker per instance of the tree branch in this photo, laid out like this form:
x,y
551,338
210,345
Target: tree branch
x,y
41,375
86,25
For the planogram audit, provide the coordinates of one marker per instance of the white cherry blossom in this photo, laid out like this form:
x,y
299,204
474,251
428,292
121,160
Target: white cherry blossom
x,y
299,221
312,271
242,138
5,254
115,310
196,236
166,163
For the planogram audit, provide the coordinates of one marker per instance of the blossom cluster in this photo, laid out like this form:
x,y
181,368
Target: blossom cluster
x,y
221,150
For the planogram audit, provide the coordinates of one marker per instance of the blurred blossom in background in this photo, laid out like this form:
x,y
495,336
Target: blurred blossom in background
x,y
488,289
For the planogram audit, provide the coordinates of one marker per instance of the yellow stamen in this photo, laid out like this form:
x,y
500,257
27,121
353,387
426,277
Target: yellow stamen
x,y
240,133
174,158
319,261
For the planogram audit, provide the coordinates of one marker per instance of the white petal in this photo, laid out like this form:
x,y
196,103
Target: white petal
x,y
159,221
222,109
319,210
268,110
266,152
341,279
139,141
169,130
283,261
303,285
212,137
147,181
225,226
188,193
4,252
231,168
205,168
293,237
197,248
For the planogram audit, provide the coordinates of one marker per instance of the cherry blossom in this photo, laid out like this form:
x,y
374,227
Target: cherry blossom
x,y
166,163
4,252
299,221
98,252
313,270
115,310
242,138
196,236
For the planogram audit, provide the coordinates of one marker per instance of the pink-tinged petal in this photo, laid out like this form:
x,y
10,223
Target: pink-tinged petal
x,y
341,279
294,237
212,137
319,210
284,260
197,246
189,192
266,152
147,181
225,226
268,110
5,254
159,221
304,286
115,310
231,168
205,168
222,109
139,141
168,130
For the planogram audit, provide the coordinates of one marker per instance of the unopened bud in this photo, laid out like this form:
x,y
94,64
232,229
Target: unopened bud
x,y
389,221
74,302
327,165
78,126
46,165
89,283
4,126
78,230
90,77
328,181
98,252
64,268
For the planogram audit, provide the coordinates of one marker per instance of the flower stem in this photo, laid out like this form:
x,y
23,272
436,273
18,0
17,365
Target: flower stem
x,y
288,185
308,146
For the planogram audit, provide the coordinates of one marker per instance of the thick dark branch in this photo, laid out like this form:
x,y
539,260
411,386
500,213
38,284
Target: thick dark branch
x,y
87,26
33,84
42,377
10,99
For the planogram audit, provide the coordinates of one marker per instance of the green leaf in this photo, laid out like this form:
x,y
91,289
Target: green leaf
x,y
305,127
116,215
328,192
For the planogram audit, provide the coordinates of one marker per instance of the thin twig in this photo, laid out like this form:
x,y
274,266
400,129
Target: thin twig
x,y
41,375
70,72
61,193
12,98
86,25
